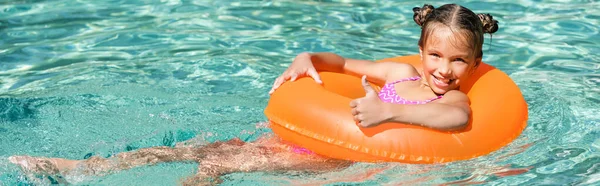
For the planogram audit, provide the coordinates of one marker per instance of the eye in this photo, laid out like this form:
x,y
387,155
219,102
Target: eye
x,y
460,60
434,55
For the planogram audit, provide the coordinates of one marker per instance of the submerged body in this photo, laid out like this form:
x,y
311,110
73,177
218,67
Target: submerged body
x,y
216,159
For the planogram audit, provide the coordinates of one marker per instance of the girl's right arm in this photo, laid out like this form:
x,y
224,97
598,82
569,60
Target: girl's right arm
x,y
307,64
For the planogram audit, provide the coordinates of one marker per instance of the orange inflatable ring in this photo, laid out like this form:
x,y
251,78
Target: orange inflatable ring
x,y
318,118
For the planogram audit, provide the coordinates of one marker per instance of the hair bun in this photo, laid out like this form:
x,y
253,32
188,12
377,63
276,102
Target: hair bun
x,y
421,13
490,25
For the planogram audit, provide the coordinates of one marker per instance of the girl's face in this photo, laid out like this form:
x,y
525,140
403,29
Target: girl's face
x,y
447,61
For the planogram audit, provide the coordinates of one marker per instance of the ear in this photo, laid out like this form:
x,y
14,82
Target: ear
x,y
477,63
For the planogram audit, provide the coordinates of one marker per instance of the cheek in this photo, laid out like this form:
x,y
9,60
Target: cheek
x,y
428,66
460,70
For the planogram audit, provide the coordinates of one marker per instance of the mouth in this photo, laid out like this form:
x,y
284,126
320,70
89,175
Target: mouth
x,y
442,82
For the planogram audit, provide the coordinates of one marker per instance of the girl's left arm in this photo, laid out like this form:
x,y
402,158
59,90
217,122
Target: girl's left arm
x,y
452,112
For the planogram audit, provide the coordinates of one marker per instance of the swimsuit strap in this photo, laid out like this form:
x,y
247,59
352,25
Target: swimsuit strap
x,y
433,99
388,93
414,78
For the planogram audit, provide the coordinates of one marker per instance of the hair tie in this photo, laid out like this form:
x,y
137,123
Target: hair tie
x,y
421,13
490,25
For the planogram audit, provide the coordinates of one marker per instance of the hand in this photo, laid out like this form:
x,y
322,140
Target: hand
x,y
300,67
369,110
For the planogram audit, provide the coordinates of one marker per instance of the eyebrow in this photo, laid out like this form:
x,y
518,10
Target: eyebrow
x,y
460,55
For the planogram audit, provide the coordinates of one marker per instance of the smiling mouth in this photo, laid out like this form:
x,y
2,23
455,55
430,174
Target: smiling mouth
x,y
442,82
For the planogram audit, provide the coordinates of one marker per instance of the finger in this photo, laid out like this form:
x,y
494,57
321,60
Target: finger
x,y
354,112
362,124
366,85
361,120
313,73
356,118
276,84
294,76
353,103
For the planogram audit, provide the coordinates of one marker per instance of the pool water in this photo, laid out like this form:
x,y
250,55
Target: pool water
x,y
84,78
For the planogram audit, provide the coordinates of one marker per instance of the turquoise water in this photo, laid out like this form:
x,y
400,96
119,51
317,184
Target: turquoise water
x,y
82,78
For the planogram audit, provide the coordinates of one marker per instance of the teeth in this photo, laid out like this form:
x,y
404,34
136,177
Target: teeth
x,y
443,81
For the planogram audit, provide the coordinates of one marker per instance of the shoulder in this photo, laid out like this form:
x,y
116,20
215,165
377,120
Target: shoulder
x,y
395,64
379,72
399,70
383,64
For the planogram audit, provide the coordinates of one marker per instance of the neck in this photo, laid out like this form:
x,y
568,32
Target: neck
x,y
423,79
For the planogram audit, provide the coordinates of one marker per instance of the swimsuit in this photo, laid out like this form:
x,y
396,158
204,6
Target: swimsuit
x,y
387,94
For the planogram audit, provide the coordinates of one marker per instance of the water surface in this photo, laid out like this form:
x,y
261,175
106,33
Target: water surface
x,y
82,78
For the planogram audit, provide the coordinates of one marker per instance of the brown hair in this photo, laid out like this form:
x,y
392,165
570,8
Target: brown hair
x,y
456,17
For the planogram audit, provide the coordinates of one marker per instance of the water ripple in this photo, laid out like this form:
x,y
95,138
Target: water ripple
x,y
116,75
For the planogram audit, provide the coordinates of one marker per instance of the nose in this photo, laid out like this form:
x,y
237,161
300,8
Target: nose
x,y
444,69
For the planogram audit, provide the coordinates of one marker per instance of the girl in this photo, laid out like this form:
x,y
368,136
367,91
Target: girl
x,y
450,48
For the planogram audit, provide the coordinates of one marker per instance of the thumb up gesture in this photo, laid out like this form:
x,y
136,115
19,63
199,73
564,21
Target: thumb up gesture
x,y
368,110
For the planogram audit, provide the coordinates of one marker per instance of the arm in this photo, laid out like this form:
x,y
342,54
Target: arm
x,y
376,72
452,112
307,64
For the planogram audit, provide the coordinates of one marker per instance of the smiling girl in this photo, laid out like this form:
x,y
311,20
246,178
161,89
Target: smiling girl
x,y
450,48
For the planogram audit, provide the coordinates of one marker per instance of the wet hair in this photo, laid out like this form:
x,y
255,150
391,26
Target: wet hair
x,y
458,18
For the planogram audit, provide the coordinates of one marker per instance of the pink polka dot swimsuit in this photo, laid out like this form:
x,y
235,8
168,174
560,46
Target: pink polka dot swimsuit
x,y
388,93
